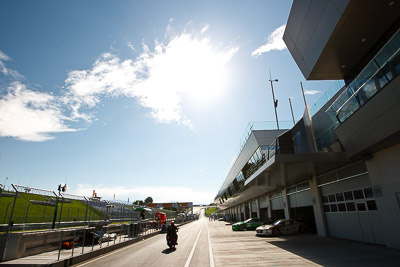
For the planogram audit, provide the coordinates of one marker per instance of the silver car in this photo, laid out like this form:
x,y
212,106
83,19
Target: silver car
x,y
281,227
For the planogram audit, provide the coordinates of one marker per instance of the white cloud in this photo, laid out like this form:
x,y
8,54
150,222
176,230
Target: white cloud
x,y
30,116
205,28
159,194
4,56
311,92
7,71
130,45
275,42
159,80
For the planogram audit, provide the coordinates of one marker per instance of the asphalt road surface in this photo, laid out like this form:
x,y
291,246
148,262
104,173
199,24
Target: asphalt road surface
x,y
193,249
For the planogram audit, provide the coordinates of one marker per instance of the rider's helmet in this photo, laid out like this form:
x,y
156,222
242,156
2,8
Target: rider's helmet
x,y
172,223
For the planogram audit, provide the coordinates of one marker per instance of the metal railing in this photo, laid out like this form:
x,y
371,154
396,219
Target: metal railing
x,y
71,221
383,68
326,96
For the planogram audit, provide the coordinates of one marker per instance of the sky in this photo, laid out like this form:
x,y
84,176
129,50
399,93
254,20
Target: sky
x,y
139,98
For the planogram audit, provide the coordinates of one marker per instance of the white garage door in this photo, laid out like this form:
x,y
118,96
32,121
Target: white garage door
x,y
351,211
277,203
300,195
254,205
263,202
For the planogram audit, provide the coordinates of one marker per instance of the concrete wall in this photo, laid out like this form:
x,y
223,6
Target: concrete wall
x,y
384,173
17,245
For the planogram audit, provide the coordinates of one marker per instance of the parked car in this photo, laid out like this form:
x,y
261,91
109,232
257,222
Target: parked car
x,y
249,224
281,227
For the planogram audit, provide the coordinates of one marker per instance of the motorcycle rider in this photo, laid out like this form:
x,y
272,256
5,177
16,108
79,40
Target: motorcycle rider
x,y
172,230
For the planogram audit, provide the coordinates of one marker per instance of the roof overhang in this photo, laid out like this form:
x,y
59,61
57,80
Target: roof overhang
x,y
328,40
285,170
288,169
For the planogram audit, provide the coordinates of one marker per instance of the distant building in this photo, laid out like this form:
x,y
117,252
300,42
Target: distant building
x,y
338,168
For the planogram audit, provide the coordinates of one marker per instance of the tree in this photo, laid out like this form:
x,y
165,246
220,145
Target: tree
x,y
148,200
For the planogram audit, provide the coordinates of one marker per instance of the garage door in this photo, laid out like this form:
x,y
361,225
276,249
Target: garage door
x,y
300,195
263,202
254,205
351,211
277,203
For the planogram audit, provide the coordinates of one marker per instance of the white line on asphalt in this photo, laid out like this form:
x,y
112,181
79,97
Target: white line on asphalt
x,y
210,250
111,253
193,248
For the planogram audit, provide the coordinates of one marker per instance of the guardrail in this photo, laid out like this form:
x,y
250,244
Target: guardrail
x,y
72,241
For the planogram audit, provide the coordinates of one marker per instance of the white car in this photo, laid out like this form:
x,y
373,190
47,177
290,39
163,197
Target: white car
x,y
281,227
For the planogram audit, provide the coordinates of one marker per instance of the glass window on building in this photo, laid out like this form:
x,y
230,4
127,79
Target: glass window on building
x,y
348,195
303,186
361,206
368,192
371,204
258,154
291,189
358,194
339,197
350,206
334,208
342,207
264,151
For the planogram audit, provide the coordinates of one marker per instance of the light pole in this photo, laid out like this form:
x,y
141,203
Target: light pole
x,y
5,181
291,109
275,101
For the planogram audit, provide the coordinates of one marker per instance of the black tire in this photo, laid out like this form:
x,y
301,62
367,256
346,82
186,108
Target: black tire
x,y
275,232
241,227
301,229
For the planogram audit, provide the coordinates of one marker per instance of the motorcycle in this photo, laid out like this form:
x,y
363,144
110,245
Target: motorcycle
x,y
171,241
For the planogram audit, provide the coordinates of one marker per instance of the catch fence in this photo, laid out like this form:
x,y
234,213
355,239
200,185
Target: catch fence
x,y
28,208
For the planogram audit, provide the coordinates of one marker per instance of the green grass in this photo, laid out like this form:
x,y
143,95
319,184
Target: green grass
x,y
27,212
212,210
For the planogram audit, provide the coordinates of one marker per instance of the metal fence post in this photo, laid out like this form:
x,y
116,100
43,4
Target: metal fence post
x,y
90,211
93,240
108,241
59,217
12,209
83,240
53,224
120,238
101,236
26,214
44,212
59,247
5,215
73,244
87,206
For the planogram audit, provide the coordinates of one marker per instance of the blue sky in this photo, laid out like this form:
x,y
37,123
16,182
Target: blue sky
x,y
139,98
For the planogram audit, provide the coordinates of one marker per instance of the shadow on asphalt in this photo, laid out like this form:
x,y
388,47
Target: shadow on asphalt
x,y
337,252
168,250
